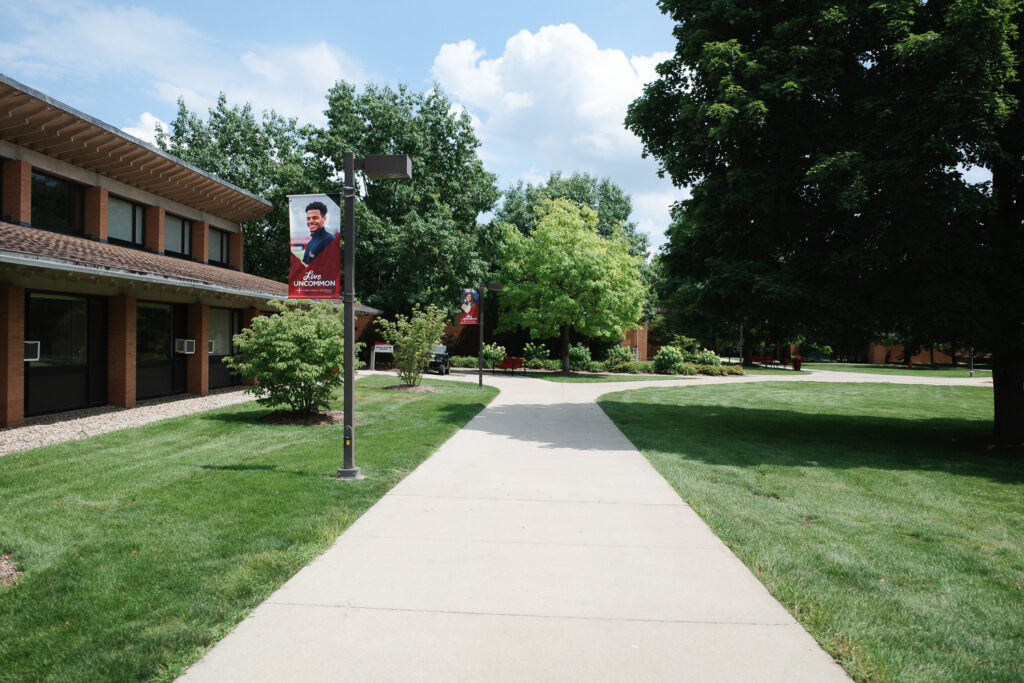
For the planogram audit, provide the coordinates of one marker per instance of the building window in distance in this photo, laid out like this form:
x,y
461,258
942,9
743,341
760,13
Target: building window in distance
x,y
218,247
57,204
177,236
125,222
153,332
60,323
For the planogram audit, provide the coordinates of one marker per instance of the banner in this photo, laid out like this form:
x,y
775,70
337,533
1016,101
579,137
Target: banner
x,y
314,222
469,310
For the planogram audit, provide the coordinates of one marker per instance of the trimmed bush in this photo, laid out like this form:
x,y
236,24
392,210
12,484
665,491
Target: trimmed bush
x,y
618,358
463,361
687,369
543,364
720,370
596,366
704,357
579,357
493,354
645,367
669,361
533,351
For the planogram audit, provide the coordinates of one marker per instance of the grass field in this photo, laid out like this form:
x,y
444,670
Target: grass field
x,y
916,371
586,377
871,511
141,548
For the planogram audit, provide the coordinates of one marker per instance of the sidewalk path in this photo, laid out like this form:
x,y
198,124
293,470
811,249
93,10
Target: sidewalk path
x,y
536,544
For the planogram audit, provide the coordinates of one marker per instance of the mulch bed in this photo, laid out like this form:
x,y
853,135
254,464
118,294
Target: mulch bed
x,y
289,417
8,571
416,390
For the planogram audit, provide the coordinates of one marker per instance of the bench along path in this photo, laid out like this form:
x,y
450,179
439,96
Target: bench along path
x,y
536,544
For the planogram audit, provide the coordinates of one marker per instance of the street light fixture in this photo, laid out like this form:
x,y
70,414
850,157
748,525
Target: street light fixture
x,y
396,166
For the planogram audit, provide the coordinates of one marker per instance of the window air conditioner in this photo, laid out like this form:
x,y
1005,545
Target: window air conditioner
x,y
32,349
210,347
186,346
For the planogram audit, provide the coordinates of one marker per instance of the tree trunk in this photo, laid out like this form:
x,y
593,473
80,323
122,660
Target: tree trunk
x,y
565,348
1008,393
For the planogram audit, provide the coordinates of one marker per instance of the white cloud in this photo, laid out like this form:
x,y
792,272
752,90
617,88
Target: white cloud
x,y
145,128
554,100
77,39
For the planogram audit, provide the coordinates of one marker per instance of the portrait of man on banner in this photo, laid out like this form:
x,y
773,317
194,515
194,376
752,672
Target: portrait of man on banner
x,y
314,224
469,310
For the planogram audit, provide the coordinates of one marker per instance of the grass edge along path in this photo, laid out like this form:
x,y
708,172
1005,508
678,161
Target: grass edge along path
x,y
143,547
870,511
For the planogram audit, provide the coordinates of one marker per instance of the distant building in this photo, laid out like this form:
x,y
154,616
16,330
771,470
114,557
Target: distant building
x,y
120,265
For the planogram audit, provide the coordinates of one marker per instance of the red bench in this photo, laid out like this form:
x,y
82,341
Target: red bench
x,y
769,360
510,364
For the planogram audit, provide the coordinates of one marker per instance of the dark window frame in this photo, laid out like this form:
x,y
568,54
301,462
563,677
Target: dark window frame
x,y
223,237
75,222
138,240
186,236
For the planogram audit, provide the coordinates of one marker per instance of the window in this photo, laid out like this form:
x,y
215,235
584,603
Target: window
x,y
57,204
154,332
125,221
60,324
224,324
218,247
177,236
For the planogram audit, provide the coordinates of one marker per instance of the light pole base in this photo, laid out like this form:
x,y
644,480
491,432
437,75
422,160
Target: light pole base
x,y
349,473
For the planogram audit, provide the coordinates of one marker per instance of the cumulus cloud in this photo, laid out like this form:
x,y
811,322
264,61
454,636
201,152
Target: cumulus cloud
x,y
79,38
145,128
555,100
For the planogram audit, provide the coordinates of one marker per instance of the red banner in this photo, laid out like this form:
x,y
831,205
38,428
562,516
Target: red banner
x,y
315,272
469,309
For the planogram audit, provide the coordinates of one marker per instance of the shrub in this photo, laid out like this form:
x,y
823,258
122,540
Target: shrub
x,y
669,360
543,364
463,361
596,366
687,369
579,356
533,351
645,367
618,358
295,355
703,357
414,339
493,354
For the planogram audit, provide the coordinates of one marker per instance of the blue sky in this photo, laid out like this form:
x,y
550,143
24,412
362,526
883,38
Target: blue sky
x,y
546,83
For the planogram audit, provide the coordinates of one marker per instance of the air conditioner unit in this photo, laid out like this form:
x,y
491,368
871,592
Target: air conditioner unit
x,y
186,346
210,346
32,349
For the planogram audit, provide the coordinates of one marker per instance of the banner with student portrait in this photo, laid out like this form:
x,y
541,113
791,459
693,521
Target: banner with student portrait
x,y
314,222
469,307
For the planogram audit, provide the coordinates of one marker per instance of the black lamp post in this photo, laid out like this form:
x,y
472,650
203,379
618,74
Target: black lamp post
x,y
480,360
397,166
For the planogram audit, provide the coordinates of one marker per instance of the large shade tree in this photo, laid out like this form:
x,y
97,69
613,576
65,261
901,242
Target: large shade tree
x,y
564,277
823,143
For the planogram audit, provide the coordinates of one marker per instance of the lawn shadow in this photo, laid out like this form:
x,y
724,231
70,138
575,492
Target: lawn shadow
x,y
748,437
240,468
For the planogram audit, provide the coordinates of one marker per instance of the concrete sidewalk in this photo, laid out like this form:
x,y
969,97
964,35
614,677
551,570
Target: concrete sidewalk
x,y
536,544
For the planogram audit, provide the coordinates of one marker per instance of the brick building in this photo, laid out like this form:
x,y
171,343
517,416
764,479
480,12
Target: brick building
x,y
120,266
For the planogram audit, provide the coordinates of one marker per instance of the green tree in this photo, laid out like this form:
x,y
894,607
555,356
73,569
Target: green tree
x,y
414,338
609,201
265,157
822,143
418,241
296,356
564,276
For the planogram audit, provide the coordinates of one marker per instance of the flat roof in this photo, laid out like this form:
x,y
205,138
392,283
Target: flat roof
x,y
33,120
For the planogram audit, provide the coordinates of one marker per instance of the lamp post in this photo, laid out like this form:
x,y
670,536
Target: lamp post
x,y
480,360
398,166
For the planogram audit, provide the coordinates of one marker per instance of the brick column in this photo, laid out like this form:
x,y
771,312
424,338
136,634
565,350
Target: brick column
x,y
16,201
12,356
248,315
201,241
236,250
198,364
96,213
121,359
155,229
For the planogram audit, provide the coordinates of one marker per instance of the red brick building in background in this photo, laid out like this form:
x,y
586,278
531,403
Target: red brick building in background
x,y
121,273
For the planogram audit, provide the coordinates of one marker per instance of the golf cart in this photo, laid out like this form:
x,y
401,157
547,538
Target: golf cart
x,y
439,361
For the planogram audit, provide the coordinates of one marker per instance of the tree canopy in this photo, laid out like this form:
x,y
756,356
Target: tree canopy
x,y
418,241
824,143
564,276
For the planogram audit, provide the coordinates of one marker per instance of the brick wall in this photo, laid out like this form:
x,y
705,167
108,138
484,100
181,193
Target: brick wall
x,y
12,356
121,359
155,226
16,200
198,364
96,212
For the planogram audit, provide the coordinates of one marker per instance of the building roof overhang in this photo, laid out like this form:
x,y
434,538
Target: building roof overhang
x,y
32,120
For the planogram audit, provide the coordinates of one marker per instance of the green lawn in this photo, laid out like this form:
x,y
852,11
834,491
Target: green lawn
x,y
584,376
916,371
872,512
143,547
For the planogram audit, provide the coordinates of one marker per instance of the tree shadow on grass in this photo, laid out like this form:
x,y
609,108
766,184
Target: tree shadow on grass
x,y
748,437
